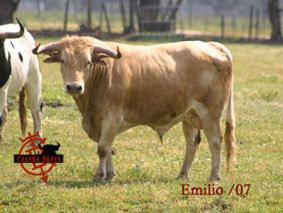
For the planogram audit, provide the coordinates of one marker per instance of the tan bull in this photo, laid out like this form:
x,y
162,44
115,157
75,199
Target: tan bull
x,y
118,86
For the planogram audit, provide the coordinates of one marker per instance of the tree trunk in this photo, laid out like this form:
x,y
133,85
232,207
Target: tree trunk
x,y
7,10
150,9
131,27
123,15
274,18
167,10
106,18
148,12
76,9
66,15
174,10
89,13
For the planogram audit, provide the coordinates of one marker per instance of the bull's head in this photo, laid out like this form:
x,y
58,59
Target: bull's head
x,y
9,35
77,57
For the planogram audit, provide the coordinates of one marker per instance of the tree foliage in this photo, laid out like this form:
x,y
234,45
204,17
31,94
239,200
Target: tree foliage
x,y
7,10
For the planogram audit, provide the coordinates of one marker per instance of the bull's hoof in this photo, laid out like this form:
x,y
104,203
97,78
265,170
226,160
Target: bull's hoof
x,y
213,179
182,176
99,177
110,175
113,151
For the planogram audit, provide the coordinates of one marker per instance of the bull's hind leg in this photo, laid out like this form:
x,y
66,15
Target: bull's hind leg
x,y
33,89
213,133
210,121
191,136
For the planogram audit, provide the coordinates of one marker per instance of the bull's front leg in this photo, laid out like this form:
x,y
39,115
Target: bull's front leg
x,y
104,150
110,171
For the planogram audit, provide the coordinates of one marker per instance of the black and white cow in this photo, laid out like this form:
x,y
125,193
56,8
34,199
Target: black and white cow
x,y
19,72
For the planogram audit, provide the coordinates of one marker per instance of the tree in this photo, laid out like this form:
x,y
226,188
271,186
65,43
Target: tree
x,y
89,13
154,16
7,10
220,6
66,14
174,10
150,9
274,18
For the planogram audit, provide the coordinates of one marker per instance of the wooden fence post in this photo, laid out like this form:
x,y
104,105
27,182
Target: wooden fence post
x,y
222,26
205,24
234,24
251,22
256,24
190,13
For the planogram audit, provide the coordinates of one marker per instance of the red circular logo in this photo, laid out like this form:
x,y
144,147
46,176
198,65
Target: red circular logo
x,y
31,157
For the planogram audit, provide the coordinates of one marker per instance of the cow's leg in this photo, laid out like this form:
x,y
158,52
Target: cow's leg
x,y
33,89
213,133
110,171
4,111
191,134
3,121
104,148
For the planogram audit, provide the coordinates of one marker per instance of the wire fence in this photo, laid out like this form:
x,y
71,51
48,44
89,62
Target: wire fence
x,y
109,17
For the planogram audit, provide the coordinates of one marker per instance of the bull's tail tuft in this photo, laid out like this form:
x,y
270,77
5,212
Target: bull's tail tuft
x,y
22,111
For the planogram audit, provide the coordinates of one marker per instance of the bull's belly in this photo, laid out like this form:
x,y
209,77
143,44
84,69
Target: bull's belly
x,y
15,86
161,124
18,77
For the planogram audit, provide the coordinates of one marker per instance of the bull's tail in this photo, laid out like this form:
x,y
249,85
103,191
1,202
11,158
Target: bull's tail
x,y
229,136
22,111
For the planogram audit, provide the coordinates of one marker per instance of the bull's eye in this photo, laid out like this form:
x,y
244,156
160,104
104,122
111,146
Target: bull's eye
x,y
88,63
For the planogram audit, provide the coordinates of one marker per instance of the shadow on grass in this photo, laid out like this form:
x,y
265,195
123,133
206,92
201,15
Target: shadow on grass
x,y
116,181
90,183
18,183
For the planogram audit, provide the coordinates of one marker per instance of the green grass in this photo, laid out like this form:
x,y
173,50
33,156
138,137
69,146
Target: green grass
x,y
146,169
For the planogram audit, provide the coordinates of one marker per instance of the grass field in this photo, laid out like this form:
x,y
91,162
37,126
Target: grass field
x,y
146,169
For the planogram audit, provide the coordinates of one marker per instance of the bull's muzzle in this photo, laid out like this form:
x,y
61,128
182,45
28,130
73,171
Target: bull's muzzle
x,y
74,89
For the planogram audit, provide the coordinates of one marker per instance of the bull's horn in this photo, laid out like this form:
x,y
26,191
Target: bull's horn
x,y
108,51
6,35
40,145
58,144
47,48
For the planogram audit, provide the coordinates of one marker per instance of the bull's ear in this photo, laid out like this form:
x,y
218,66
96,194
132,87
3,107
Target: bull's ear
x,y
53,58
98,59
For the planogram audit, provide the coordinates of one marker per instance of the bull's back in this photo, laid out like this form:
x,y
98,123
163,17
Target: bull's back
x,y
21,59
163,80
